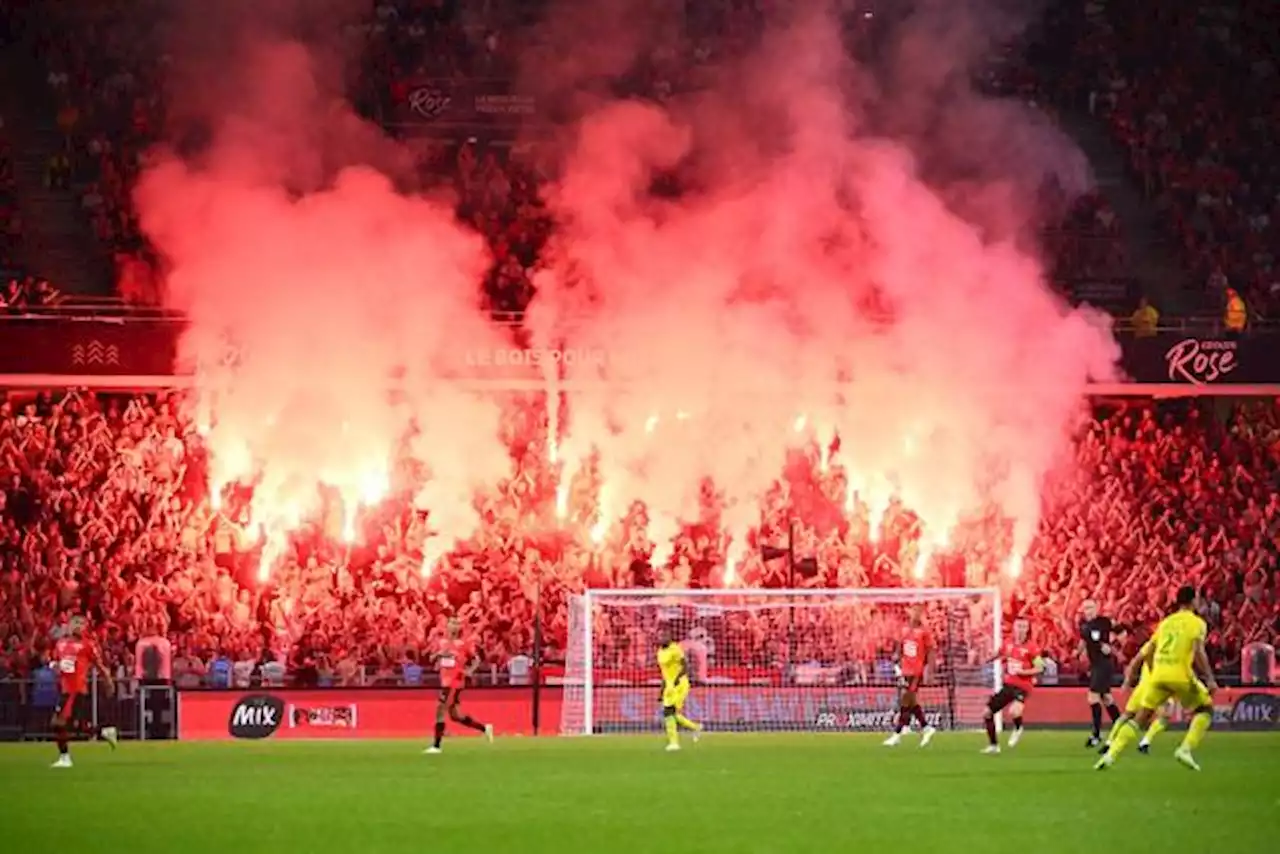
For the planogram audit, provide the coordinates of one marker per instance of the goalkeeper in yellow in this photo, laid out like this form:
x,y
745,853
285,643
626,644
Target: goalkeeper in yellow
x,y
675,689
1179,670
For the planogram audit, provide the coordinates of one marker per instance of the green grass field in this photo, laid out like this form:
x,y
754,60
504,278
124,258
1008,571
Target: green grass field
x,y
730,793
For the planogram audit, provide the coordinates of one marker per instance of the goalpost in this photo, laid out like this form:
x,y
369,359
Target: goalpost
x,y
777,660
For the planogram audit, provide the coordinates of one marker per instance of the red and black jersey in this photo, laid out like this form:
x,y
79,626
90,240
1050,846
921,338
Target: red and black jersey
x,y
917,644
73,658
454,658
1017,660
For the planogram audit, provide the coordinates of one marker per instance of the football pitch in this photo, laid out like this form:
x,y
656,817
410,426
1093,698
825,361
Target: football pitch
x,y
729,793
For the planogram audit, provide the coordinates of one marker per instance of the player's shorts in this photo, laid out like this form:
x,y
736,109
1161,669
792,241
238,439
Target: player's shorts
x,y
1102,678
1006,696
912,682
1190,693
74,708
673,696
1135,702
450,695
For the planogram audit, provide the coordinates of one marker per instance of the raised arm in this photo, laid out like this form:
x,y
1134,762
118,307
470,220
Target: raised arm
x,y
1133,672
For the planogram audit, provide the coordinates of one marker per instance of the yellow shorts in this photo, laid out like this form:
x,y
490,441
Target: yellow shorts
x,y
1190,693
675,695
1134,704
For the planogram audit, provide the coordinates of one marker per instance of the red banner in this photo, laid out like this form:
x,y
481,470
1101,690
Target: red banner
x,y
347,713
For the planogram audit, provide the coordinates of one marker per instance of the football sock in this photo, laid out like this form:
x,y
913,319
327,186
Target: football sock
x,y
991,730
686,723
673,735
918,711
1114,711
60,734
1095,712
1196,730
904,719
1158,726
1115,728
439,733
1127,735
1017,722
471,723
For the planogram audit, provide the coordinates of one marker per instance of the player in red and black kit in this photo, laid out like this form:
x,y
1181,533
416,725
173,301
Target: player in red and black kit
x,y
1020,663
914,655
74,656
454,662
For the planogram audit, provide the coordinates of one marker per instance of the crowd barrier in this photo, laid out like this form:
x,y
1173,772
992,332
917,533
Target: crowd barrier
x,y
162,712
138,711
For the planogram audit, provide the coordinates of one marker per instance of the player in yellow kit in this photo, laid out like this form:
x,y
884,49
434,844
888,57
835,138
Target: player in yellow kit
x,y
1138,679
1179,670
675,689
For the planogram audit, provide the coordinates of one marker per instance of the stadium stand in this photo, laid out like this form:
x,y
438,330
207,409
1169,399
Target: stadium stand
x,y
104,75
19,291
1189,90
104,510
104,507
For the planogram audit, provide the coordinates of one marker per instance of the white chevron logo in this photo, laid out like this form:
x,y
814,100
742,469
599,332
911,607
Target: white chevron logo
x,y
95,353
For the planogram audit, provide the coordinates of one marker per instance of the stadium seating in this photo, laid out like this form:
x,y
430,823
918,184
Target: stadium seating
x,y
1190,94
19,291
105,76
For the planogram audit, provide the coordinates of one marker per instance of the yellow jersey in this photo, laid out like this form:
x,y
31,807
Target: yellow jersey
x,y
1175,641
671,663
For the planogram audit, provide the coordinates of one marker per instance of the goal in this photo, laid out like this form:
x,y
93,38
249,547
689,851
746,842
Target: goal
x,y
776,660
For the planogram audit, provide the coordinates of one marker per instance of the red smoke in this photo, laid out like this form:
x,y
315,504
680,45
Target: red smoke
x,y
809,283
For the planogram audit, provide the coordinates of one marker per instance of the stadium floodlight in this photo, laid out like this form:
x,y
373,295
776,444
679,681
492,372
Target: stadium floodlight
x,y
798,660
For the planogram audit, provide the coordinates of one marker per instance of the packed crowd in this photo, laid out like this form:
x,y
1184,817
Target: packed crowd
x,y
1190,91
106,74
104,510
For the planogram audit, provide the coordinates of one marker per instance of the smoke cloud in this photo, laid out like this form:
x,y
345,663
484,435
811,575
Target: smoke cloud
x,y
310,283
839,258
836,265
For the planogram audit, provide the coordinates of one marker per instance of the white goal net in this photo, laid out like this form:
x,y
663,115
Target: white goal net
x,y
777,660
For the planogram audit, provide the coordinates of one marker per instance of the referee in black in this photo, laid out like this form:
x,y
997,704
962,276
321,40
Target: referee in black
x,y
1095,642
